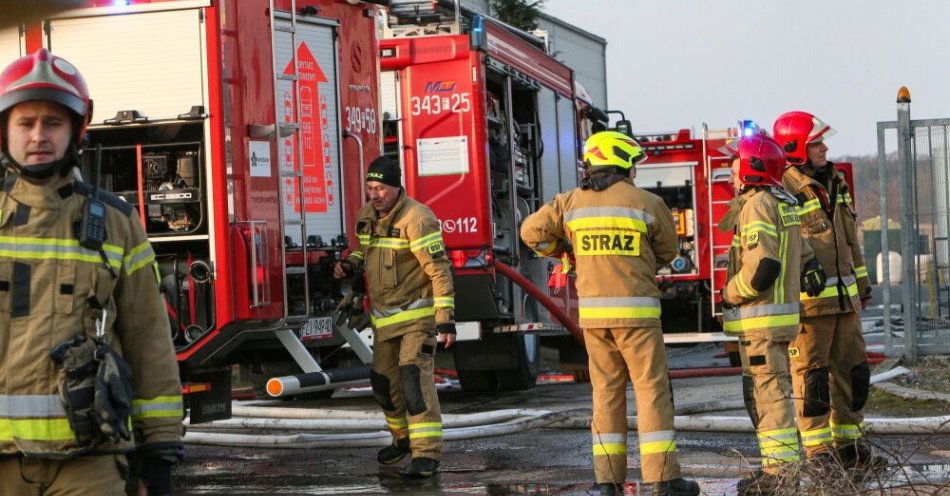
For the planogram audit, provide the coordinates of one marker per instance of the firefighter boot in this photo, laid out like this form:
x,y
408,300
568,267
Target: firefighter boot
x,y
760,483
823,464
421,467
608,489
674,487
393,453
859,456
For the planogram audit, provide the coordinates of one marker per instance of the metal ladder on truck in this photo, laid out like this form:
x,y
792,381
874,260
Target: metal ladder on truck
x,y
314,377
290,223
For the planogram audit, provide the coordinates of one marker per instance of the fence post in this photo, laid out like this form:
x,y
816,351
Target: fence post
x,y
905,143
884,275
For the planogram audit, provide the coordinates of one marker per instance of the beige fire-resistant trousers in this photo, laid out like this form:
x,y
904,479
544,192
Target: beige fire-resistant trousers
x,y
831,380
401,376
767,390
638,355
79,476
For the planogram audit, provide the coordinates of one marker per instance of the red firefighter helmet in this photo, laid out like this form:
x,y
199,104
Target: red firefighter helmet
x,y
761,161
794,131
44,76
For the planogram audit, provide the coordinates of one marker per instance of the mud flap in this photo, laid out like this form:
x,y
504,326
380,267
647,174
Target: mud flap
x,y
410,380
380,385
748,396
860,385
817,397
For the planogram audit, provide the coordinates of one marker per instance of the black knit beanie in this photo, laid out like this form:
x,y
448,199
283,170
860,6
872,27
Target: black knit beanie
x,y
386,171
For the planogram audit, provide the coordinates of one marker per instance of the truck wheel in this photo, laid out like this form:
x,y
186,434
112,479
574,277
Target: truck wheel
x,y
477,381
524,374
505,362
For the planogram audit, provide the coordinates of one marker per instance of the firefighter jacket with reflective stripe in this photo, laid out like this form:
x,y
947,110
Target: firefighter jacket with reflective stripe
x,y
830,227
50,288
620,236
408,274
767,246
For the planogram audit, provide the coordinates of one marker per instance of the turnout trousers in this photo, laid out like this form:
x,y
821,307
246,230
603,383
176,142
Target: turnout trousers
x,y
831,380
79,476
767,391
616,356
401,376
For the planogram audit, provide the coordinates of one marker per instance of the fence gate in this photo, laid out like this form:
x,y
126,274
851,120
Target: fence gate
x,y
921,315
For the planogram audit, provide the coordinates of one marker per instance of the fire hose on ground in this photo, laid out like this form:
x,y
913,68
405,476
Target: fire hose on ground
x,y
485,424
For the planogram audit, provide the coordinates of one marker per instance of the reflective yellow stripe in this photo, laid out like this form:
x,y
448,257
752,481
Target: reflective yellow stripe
x,y
861,271
417,435
736,240
601,449
444,302
158,407
758,226
744,290
406,316
760,322
657,447
547,248
779,433
847,431
426,241
425,425
357,254
619,313
395,243
397,423
138,257
829,292
783,258
623,223
809,206
48,429
425,429
58,249
817,437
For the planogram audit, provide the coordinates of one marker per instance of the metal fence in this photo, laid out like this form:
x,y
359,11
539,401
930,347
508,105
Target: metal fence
x,y
919,320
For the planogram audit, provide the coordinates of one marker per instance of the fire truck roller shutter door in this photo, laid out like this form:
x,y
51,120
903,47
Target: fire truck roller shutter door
x,y
320,128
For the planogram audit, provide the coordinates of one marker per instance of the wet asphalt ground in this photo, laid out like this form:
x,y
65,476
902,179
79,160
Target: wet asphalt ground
x,y
537,462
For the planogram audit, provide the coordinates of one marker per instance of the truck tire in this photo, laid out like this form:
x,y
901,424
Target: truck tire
x,y
498,362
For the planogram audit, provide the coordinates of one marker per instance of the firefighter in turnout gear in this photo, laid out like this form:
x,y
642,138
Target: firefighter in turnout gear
x,y
84,336
619,235
409,280
830,373
760,300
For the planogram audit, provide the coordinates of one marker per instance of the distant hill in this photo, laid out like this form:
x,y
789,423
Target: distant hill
x,y
867,187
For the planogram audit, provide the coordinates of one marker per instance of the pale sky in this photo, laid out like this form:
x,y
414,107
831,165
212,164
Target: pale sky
x,y
677,63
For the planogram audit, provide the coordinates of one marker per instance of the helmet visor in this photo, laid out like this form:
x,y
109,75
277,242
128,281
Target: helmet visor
x,y
820,131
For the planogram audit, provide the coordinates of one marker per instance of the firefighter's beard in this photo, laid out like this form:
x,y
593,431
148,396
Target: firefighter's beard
x,y
45,172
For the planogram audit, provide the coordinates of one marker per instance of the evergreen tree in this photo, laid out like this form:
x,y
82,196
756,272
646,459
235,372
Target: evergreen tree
x,y
522,14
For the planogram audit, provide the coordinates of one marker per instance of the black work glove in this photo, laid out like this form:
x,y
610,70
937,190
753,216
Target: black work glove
x,y
348,269
447,328
156,474
813,278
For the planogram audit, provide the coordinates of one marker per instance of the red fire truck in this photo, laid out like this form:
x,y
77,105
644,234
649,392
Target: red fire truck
x,y
487,126
227,123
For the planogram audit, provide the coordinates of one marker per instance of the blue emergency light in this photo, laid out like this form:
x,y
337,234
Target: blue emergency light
x,y
749,128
